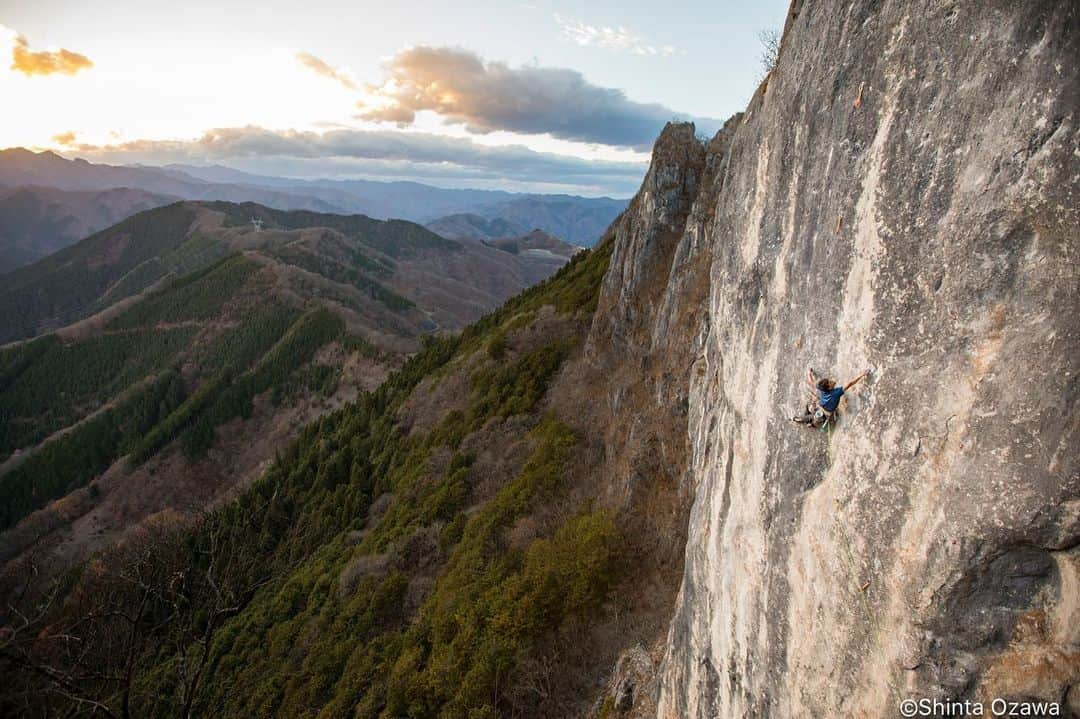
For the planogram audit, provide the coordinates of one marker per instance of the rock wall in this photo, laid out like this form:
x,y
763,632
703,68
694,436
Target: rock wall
x,y
903,192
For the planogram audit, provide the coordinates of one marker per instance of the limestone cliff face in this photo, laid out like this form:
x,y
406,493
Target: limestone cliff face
x,y
902,193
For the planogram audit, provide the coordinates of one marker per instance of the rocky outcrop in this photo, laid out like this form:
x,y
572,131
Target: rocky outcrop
x,y
902,193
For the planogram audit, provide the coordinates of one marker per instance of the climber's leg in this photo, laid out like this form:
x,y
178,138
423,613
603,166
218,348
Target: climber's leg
x,y
807,416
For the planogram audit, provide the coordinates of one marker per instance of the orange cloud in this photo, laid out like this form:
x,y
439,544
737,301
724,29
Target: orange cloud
x,y
64,138
44,62
325,69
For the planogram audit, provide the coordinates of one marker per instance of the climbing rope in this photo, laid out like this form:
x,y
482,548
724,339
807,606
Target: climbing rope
x,y
851,564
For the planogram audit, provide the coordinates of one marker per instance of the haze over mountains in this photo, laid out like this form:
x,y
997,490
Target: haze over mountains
x,y
40,212
36,221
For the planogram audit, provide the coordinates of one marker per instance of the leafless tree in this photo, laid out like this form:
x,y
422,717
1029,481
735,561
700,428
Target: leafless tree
x,y
226,582
56,650
74,648
770,51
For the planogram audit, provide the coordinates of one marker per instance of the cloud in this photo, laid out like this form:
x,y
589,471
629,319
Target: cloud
x,y
64,138
44,62
382,153
610,38
489,96
326,70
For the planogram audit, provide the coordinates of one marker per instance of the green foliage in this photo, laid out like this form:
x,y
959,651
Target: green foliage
x,y
197,252
574,288
489,610
16,358
73,459
233,399
46,384
198,296
421,502
356,343
295,515
230,393
494,603
177,420
503,390
318,379
482,621
338,272
138,279
500,391
273,339
579,289
436,609
257,330
377,267
496,346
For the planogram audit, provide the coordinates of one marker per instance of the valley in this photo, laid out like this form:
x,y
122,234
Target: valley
x,y
176,350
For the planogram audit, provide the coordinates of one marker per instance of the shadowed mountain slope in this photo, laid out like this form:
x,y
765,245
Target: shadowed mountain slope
x,y
37,221
470,225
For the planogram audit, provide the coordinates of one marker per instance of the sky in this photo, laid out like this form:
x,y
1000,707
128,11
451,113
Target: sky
x,y
538,96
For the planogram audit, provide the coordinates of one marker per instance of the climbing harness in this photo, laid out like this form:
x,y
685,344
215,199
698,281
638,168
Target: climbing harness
x,y
816,417
823,419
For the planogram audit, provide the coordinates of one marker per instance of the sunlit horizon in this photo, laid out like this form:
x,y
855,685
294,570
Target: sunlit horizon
x,y
553,85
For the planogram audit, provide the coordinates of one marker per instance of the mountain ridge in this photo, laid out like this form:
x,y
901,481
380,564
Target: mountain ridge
x,y
127,259
580,220
170,313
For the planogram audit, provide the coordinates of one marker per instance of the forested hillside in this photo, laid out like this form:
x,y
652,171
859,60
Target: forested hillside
x,y
176,365
401,558
390,278
485,533
202,343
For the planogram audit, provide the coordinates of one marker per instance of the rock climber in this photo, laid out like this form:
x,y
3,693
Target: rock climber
x,y
828,399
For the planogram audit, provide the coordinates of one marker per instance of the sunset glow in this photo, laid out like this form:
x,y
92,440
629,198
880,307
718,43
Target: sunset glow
x,y
161,81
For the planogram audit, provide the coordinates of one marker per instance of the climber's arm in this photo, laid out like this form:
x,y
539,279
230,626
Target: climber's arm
x,y
855,381
811,378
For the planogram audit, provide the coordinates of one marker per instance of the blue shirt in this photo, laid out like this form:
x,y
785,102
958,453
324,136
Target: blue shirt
x,y
830,399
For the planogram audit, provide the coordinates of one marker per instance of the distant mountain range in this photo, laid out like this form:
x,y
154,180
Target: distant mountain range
x,y
392,277
37,221
47,201
188,330
19,167
468,224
